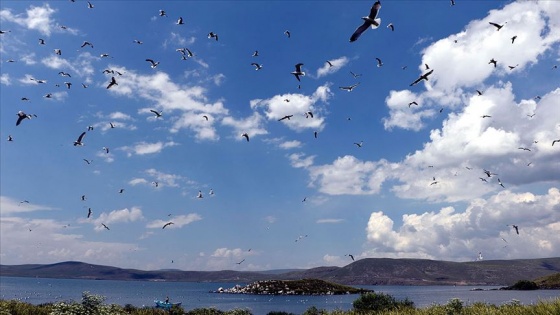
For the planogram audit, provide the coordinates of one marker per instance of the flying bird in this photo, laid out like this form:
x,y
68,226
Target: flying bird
x,y
493,61
105,226
513,39
154,63
78,141
257,66
479,92
359,145
498,26
213,35
106,150
89,213
286,117
205,117
308,114
369,21
199,195
158,114
246,136
86,43
166,225
239,263
87,161
500,183
349,88
180,21
256,53
355,75
22,116
422,77
379,62
113,82
329,63
351,256
121,190
89,5
516,227
412,103
554,141
162,13
10,138
138,42
298,71
391,26
452,2
58,52
485,116
525,149
287,33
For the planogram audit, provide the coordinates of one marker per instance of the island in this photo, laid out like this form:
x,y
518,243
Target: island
x,y
293,287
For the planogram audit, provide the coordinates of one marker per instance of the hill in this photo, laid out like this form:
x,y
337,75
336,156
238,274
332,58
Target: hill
x,y
549,282
370,271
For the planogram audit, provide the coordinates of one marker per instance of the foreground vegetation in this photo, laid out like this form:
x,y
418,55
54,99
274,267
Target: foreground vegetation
x,y
369,303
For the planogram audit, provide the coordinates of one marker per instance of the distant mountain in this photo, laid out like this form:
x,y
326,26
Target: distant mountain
x,y
369,271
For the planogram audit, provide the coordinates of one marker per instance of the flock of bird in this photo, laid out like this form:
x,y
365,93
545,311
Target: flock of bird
x,y
370,21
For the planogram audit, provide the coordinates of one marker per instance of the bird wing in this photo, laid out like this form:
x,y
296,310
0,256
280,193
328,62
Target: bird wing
x,y
81,137
359,31
20,118
374,10
155,112
298,67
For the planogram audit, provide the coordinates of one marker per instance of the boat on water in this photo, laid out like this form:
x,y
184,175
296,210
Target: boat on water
x,y
165,305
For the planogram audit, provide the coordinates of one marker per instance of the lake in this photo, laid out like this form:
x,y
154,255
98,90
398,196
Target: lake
x,y
196,295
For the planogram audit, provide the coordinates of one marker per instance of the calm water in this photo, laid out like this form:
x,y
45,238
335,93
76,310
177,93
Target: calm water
x,y
195,295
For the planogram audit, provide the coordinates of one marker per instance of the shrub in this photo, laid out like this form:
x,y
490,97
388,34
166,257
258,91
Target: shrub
x,y
378,302
454,306
279,313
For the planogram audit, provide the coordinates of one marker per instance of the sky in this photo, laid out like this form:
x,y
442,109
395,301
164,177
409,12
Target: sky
x,y
370,173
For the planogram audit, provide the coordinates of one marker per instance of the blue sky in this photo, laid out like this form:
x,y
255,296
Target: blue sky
x,y
284,199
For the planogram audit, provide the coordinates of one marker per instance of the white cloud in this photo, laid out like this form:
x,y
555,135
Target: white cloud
x,y
37,18
5,79
117,216
299,160
297,105
10,205
164,179
252,125
337,64
178,221
329,221
143,148
137,181
290,144
81,65
451,235
225,252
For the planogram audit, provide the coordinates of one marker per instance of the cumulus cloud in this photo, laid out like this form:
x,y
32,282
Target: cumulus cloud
x,y
297,105
143,148
37,18
252,125
117,216
178,221
5,79
451,235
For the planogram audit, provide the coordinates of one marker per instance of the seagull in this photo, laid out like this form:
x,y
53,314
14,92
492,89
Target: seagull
x,y
256,53
89,5
298,71
41,41
286,117
351,256
78,142
513,38
355,75
422,77
24,99
205,117
89,128
83,197
158,114
105,149
488,173
308,114
483,179
121,190
257,66
4,32
479,92
498,26
494,62
391,26
359,144
554,141
287,33
113,82
434,182
516,227
58,51
525,149
180,21
166,225
412,103
370,20
86,43
329,63
64,74
349,88
154,63
315,133
246,136
22,116
239,263
500,183
138,42
111,125
379,63
162,13
89,213
199,195
156,184
68,84
213,35
485,116
23,201
452,2
105,226
211,192
87,161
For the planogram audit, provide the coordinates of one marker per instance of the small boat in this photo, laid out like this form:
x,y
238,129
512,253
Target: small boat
x,y
165,305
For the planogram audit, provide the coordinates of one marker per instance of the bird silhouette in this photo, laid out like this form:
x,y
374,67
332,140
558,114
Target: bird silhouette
x,y
297,73
246,136
498,26
422,77
21,116
113,82
493,61
79,142
103,224
158,114
166,225
369,21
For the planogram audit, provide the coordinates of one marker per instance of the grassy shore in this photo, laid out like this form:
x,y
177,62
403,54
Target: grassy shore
x,y
453,307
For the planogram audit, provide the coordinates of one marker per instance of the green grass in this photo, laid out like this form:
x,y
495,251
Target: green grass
x,y
91,305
